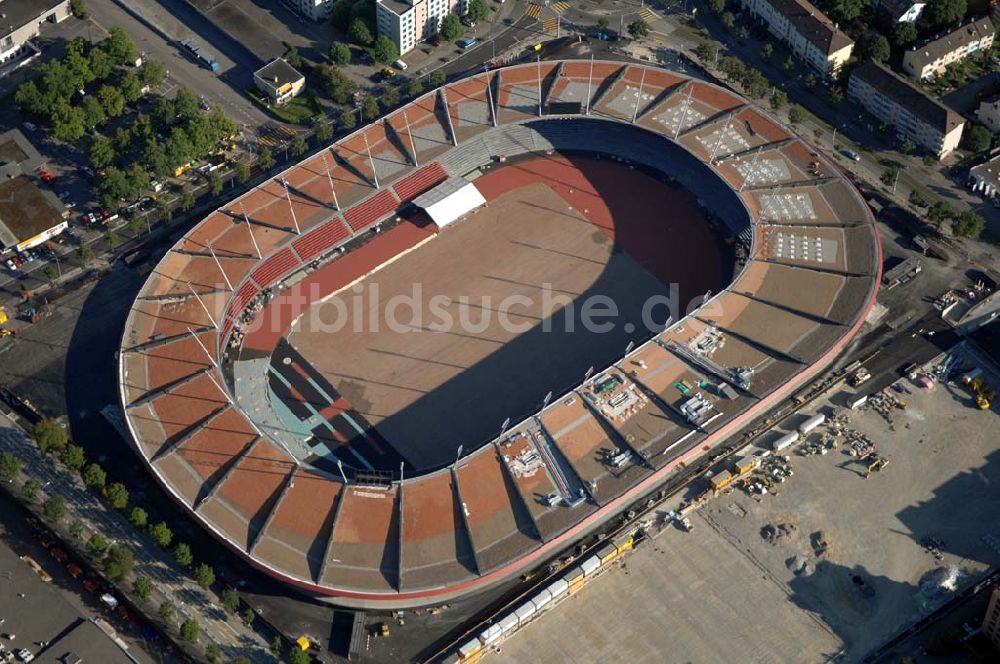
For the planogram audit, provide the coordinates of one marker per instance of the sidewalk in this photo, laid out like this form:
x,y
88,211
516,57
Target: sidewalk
x,y
230,634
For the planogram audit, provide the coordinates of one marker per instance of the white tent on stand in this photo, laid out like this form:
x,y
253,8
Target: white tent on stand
x,y
450,200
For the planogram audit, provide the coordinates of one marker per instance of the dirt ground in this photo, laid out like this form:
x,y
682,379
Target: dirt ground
x,y
496,317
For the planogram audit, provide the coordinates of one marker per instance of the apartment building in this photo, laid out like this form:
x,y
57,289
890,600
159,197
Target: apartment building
x,y
409,22
991,622
935,56
317,10
989,113
22,20
902,11
916,116
812,36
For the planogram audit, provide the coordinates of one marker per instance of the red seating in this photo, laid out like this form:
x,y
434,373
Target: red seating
x,y
423,180
320,239
374,209
277,265
244,294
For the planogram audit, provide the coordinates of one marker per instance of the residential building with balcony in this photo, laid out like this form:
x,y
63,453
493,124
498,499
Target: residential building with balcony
x,y
809,33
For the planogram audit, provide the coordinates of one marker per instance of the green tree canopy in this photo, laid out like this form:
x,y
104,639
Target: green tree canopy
x,y
54,508
451,28
119,562
190,630
183,555
477,11
385,50
340,53
204,575
10,466
161,534
50,436
94,476
120,47
138,517
875,46
73,457
118,495
143,587
360,33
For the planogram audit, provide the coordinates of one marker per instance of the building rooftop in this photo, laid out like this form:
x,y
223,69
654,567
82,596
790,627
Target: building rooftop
x,y
278,72
901,92
899,7
18,13
813,24
26,210
973,31
398,7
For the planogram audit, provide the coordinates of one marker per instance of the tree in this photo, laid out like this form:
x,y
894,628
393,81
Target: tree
x,y
940,211
131,87
742,31
178,148
369,108
728,20
335,84
845,11
277,645
215,183
119,562
204,575
756,83
143,588
165,210
167,613
118,496
93,112
230,600
788,64
50,436
969,224
293,57
836,94
717,6
917,198
186,105
85,253
77,8
796,114
138,517
297,655
242,171
112,239
437,78
183,555
187,200
94,476
638,29
73,457
30,490
248,616
101,64
875,46
347,120
112,101
161,534
152,73
778,99
359,33
977,138
904,35
97,545
477,11
907,147
340,53
941,13
451,28
120,47
810,81
76,530
323,131
212,653
390,97
297,145
10,466
889,175
385,50
766,51
266,159
190,630
707,51
54,508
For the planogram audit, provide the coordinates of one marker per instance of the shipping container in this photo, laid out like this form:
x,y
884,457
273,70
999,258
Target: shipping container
x,y
590,565
490,635
623,542
524,612
606,552
812,423
470,648
573,575
787,440
508,624
558,588
747,464
721,480
542,599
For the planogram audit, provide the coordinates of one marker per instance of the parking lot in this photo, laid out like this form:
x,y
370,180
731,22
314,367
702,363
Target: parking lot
x,y
836,558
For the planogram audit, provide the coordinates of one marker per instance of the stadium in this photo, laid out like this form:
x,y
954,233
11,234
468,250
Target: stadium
x,y
439,351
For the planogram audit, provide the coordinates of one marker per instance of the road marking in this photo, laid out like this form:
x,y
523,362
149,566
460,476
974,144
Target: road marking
x,y
533,10
648,15
560,7
550,24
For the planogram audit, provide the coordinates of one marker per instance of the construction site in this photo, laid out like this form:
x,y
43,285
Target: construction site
x,y
876,514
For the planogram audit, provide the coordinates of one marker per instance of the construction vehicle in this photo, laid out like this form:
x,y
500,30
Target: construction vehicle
x,y
983,392
858,377
876,464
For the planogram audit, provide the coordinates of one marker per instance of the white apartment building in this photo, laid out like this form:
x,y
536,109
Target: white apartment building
x,y
409,22
811,35
317,10
22,20
916,116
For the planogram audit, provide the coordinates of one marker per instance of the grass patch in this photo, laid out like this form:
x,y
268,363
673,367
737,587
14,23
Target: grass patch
x,y
299,110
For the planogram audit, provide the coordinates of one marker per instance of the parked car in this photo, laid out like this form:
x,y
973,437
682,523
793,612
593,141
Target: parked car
x,y
47,177
30,126
851,154
467,43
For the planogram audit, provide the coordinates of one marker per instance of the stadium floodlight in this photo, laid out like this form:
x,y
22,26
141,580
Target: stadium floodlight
x,y
246,220
210,358
638,96
329,177
687,108
291,208
545,401
371,161
211,250
207,312
590,82
343,475
413,146
629,347
538,60
489,99
458,454
589,373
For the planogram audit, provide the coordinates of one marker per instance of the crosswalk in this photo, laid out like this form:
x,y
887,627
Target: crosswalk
x,y
533,10
648,15
550,24
270,136
560,7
